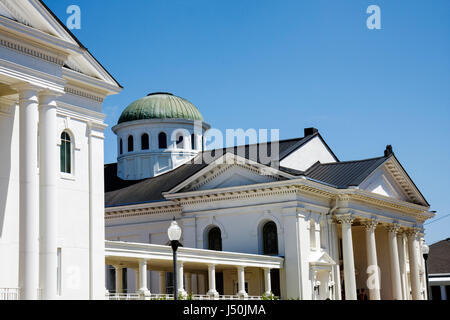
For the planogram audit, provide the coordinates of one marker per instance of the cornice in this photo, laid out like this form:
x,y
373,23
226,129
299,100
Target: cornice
x,y
31,51
82,93
142,210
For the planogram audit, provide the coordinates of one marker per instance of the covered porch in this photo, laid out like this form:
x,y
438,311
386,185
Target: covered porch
x,y
201,274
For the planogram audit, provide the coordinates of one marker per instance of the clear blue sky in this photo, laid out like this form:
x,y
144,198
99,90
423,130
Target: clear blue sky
x,y
289,65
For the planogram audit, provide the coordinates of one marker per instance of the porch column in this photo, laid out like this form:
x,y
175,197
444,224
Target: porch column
x,y
188,282
180,289
212,281
373,281
267,284
402,257
143,290
241,282
347,248
119,279
162,282
394,262
414,265
48,169
28,194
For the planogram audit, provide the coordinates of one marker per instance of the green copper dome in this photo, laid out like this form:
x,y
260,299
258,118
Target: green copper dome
x,y
160,105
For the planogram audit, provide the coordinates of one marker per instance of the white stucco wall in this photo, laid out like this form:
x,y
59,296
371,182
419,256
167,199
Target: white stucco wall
x,y
308,154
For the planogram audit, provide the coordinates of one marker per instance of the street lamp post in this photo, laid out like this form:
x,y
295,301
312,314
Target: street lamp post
x,y
425,251
174,233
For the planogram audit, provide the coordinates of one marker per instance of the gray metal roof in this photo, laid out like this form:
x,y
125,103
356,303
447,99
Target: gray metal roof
x,y
344,174
124,192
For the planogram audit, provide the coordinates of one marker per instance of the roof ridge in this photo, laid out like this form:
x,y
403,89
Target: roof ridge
x,y
353,161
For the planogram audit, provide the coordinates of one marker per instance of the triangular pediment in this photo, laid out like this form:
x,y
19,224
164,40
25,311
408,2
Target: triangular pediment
x,y
233,176
230,171
321,258
391,180
34,19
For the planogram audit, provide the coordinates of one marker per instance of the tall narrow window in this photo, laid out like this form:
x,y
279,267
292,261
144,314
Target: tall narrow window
x,y
144,142
215,239
162,140
66,153
180,141
193,146
130,144
120,146
270,238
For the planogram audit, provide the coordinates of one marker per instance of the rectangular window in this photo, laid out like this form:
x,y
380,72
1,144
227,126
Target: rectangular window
x,y
169,282
58,272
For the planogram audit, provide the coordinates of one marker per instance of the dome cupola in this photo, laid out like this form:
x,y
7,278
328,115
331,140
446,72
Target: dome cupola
x,y
156,134
160,105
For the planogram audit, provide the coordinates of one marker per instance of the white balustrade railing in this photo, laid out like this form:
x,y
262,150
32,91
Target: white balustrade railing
x,y
9,294
123,296
158,296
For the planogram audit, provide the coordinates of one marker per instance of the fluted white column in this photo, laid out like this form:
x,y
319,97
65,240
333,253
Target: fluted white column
x,y
241,282
394,262
29,194
402,261
119,279
349,263
373,283
48,170
143,290
212,280
267,283
414,265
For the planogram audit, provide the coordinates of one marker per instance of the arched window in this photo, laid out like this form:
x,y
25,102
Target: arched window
x,y
162,140
144,142
215,239
130,144
193,146
66,153
180,141
270,238
120,146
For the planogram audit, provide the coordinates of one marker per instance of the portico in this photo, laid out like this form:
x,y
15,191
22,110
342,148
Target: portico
x,y
197,266
383,236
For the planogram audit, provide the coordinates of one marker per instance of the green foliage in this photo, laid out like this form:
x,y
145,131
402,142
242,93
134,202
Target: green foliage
x,y
269,297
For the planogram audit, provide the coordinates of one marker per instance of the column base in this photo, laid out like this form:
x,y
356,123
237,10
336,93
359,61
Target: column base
x,y
213,294
144,294
181,293
242,295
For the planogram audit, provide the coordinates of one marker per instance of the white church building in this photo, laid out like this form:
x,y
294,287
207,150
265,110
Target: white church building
x,y
285,219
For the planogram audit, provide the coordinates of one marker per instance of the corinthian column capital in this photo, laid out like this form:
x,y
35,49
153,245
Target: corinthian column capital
x,y
394,227
370,224
345,218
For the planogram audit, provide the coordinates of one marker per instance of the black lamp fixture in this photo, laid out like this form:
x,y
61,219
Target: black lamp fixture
x,y
425,251
174,233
